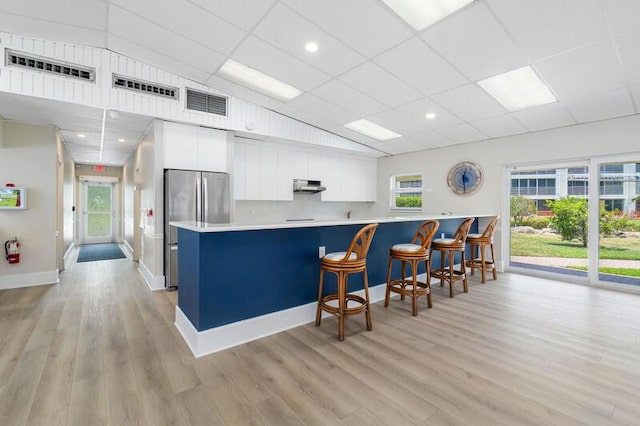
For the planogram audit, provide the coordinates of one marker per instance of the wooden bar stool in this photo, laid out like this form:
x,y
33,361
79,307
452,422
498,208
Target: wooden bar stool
x,y
415,252
482,241
448,248
342,264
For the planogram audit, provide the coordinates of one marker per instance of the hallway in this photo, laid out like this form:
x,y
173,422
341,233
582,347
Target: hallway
x,y
99,348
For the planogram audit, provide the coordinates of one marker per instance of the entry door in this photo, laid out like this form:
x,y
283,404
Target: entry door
x,y
98,212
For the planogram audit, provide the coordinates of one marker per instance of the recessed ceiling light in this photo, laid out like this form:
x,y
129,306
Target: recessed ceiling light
x,y
518,89
311,47
121,140
253,79
81,135
430,115
422,13
370,129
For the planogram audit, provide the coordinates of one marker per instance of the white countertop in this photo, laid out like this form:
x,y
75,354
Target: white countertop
x,y
226,227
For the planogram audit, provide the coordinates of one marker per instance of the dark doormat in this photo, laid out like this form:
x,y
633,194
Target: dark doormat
x,y
94,252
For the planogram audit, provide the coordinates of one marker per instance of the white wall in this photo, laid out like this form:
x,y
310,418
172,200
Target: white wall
x,y
603,138
128,184
69,192
28,159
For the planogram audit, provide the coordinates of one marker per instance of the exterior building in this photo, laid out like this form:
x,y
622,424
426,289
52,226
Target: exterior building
x,y
619,186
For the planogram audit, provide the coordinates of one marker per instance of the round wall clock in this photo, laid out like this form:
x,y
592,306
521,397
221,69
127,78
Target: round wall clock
x,y
465,178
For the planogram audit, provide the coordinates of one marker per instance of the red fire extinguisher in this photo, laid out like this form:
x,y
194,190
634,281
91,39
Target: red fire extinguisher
x,y
12,250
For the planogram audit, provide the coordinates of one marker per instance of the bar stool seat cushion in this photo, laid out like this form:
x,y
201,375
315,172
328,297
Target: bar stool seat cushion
x,y
407,247
444,241
339,255
474,236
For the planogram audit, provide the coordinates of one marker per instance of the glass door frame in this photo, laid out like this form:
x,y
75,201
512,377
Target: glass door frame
x,y
85,239
593,199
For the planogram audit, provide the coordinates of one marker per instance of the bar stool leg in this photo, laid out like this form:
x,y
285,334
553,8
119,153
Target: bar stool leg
x,y
473,256
319,310
404,276
387,294
427,264
442,255
452,282
414,296
367,312
483,249
463,271
342,290
493,259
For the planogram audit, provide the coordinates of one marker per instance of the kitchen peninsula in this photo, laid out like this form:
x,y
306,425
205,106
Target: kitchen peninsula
x,y
242,282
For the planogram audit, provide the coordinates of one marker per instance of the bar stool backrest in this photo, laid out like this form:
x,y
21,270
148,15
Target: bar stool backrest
x,y
491,227
425,233
463,230
361,242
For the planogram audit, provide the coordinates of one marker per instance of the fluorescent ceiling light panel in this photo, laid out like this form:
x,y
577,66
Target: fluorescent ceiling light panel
x,y
518,89
422,13
370,129
253,79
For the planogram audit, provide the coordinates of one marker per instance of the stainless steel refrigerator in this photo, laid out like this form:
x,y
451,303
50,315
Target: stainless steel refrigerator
x,y
190,196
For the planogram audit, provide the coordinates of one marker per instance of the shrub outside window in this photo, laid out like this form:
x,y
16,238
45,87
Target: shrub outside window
x,y
406,192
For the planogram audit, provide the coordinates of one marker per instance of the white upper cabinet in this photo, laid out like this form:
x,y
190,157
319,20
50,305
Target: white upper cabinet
x,y
194,148
264,171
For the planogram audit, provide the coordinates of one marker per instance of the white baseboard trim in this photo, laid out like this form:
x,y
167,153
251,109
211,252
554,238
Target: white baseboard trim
x,y
217,339
67,256
154,283
29,280
128,250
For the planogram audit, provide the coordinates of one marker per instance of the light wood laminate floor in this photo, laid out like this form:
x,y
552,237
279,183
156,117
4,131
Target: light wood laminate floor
x,y
99,348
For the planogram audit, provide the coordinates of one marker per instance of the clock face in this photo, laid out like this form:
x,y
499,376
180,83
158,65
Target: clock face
x,y
465,178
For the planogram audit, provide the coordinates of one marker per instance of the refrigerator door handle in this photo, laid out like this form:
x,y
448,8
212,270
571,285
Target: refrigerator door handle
x,y
205,198
198,201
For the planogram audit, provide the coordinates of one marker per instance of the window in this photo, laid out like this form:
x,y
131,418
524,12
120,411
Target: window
x,y
613,205
612,168
611,188
406,192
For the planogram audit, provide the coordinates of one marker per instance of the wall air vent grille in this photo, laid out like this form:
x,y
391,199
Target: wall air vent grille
x,y
122,82
206,102
36,63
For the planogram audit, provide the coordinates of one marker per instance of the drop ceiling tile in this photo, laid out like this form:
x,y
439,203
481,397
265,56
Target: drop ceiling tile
x,y
432,139
418,109
36,27
274,62
397,122
603,105
243,13
590,69
628,48
463,133
420,67
343,95
289,31
544,117
503,125
191,22
403,145
545,28
364,25
321,108
622,15
469,103
369,78
167,63
475,43
635,92
151,36
89,14
226,86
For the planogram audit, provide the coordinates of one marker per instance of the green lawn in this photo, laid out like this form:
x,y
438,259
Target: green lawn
x,y
552,246
612,271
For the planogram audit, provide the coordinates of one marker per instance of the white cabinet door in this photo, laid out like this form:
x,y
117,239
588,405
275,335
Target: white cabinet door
x,y
253,172
286,173
335,178
180,146
212,150
239,171
269,173
299,165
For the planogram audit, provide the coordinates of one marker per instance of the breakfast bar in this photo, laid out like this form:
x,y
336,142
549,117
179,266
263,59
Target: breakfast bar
x,y
242,282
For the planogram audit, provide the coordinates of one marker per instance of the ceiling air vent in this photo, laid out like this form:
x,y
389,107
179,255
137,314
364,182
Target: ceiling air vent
x,y
206,102
122,82
36,63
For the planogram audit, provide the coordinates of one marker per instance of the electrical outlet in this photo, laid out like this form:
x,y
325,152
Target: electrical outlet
x,y
321,251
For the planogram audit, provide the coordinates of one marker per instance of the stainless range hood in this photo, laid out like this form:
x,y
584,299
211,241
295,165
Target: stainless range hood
x,y
307,186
